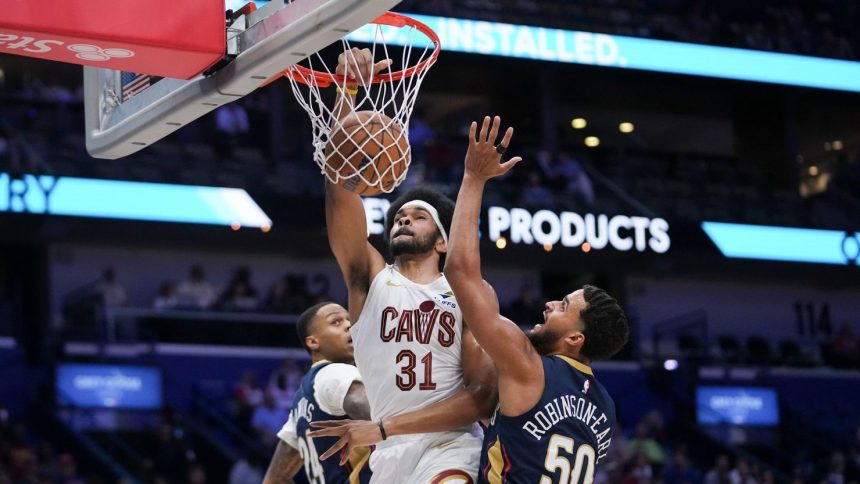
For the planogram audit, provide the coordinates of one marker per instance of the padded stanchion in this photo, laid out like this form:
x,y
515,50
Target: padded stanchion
x,y
159,37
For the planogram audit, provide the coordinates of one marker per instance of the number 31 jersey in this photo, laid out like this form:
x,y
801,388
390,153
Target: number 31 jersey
x,y
407,343
561,439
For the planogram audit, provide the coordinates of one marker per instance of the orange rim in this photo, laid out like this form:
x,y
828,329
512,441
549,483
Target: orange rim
x,y
324,79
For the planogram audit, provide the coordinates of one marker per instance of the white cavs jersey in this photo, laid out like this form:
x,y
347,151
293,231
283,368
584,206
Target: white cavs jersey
x,y
407,344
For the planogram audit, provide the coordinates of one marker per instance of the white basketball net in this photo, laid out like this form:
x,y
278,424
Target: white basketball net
x,y
366,152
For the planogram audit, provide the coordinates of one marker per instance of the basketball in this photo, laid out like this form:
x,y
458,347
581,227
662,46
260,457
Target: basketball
x,y
367,153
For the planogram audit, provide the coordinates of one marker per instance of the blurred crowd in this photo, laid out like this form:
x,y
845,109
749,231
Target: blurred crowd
x,y
289,294
808,27
25,458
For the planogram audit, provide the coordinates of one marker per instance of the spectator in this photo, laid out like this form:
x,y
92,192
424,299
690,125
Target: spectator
x,y
526,308
247,470
167,297
268,419
681,471
284,382
577,181
240,295
640,472
68,470
196,292
171,455
742,474
276,299
111,291
196,474
719,474
643,443
844,348
535,196
288,295
249,395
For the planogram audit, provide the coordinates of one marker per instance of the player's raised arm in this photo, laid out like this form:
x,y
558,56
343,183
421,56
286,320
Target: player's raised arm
x,y
517,361
345,219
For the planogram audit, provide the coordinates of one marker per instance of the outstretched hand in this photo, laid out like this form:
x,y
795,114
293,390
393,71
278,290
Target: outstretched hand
x,y
358,67
483,158
352,433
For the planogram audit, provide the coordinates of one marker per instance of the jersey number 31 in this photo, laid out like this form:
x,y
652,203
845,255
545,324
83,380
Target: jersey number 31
x,y
406,379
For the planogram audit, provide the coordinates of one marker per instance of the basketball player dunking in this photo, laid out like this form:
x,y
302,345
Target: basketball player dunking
x,y
554,421
411,346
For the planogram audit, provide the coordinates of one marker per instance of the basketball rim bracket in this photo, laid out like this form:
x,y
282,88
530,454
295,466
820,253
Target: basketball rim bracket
x,y
260,44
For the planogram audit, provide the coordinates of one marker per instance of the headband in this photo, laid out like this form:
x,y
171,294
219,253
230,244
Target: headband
x,y
434,214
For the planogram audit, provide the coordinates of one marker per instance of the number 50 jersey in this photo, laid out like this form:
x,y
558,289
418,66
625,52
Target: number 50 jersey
x,y
561,439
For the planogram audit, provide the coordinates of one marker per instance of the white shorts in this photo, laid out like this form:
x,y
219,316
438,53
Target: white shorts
x,y
445,457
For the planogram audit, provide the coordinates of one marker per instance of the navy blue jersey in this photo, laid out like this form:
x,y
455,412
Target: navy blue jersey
x,y
561,439
306,409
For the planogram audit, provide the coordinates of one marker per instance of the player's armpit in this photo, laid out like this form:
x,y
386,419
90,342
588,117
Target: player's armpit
x,y
285,464
355,402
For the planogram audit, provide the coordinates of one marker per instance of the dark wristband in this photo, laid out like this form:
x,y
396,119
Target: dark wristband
x,y
382,429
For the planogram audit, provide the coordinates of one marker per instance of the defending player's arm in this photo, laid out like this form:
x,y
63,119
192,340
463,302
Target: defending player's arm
x,y
345,219
285,464
474,402
518,363
287,461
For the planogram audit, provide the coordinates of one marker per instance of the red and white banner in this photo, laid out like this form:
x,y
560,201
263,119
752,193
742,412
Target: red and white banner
x,y
170,39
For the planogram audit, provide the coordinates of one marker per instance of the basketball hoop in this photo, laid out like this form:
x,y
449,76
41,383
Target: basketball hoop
x,y
353,146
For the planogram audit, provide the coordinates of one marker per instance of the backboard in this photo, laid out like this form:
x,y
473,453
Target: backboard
x,y
125,112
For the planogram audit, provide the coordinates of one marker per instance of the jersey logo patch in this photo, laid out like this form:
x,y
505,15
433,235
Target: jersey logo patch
x,y
585,387
391,283
446,299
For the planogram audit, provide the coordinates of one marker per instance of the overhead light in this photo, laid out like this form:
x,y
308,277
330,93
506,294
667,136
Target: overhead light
x,y
586,247
626,127
837,145
813,170
501,243
578,123
670,365
592,141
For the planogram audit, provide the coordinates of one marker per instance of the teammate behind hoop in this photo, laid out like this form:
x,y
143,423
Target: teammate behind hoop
x,y
412,347
554,421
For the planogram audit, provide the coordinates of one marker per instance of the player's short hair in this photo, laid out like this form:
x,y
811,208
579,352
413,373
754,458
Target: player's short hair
x,y
606,327
306,319
443,205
